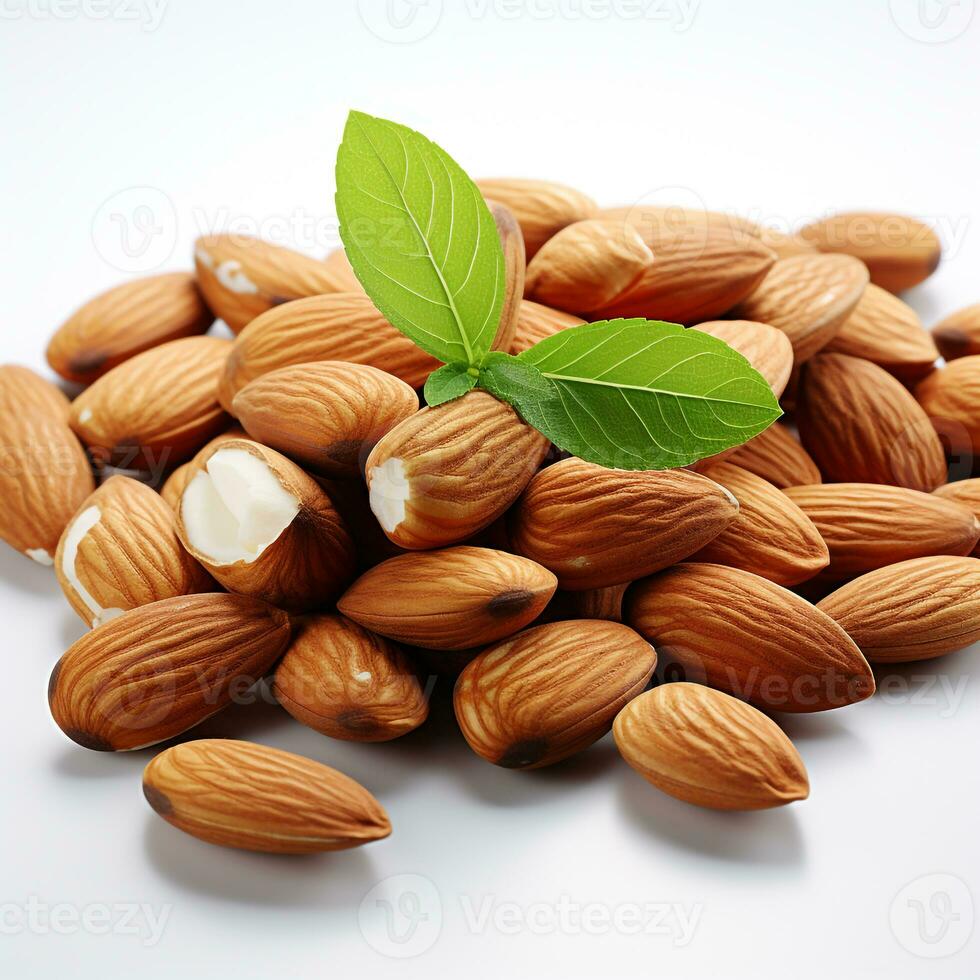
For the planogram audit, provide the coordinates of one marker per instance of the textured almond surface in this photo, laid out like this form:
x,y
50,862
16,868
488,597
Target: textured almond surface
x,y
239,794
348,683
867,525
449,599
950,397
156,671
776,455
25,391
326,415
808,297
158,408
784,244
958,335
338,327
343,274
710,749
913,610
535,322
771,536
550,691
861,425
126,320
515,265
595,527
743,634
767,349
965,492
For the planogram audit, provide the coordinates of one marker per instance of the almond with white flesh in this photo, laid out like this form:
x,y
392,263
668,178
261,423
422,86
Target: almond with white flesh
x,y
515,265
958,335
776,455
868,526
914,610
861,425
449,599
808,297
126,320
950,397
450,471
256,798
345,682
767,349
242,276
264,528
156,409
967,493
535,322
707,748
742,634
155,671
899,251
542,208
121,550
173,486
596,527
44,472
326,415
771,536
550,691
338,327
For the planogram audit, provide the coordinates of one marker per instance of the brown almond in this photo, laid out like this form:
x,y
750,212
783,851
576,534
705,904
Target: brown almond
x,y
342,271
535,322
767,349
966,493
515,264
784,244
776,455
950,397
25,391
958,335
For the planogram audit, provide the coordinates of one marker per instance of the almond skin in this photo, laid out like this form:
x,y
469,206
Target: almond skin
x,y
784,244
776,455
44,472
448,472
449,599
121,550
767,349
550,691
899,251
515,265
338,327
158,408
156,671
958,335
914,610
771,536
345,682
862,426
747,636
967,493
242,277
808,297
595,527
126,320
253,797
868,526
535,322
326,415
709,749
951,398
342,271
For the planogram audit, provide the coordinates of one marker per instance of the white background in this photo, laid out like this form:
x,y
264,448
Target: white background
x,y
233,110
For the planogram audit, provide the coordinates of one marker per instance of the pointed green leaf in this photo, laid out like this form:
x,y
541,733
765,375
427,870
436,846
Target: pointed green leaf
x,y
449,382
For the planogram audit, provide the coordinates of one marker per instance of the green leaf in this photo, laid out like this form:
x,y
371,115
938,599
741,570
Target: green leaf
x,y
449,382
420,238
641,394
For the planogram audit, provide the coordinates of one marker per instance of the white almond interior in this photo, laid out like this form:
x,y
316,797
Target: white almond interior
x,y
74,536
235,508
389,492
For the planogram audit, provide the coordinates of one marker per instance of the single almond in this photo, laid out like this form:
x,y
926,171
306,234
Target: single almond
x,y
950,397
173,486
535,322
342,271
777,456
958,335
767,349
605,603
784,244
239,794
25,392
653,220
966,493
515,264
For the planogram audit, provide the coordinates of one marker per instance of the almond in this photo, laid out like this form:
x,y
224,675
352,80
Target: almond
x,y
338,327
535,322
967,493
121,550
126,320
951,398
158,408
867,525
173,487
326,415
914,610
606,603
542,208
550,691
342,271
770,536
263,528
449,599
767,349
862,426
709,749
899,251
512,244
44,472
958,335
740,633
242,277
447,472
777,456
784,244
808,297
157,670
652,220
595,527
587,265
238,794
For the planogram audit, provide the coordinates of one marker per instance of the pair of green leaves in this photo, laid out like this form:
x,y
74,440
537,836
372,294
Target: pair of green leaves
x,y
629,394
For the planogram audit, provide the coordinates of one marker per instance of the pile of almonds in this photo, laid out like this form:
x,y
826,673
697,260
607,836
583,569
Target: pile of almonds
x,y
290,509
